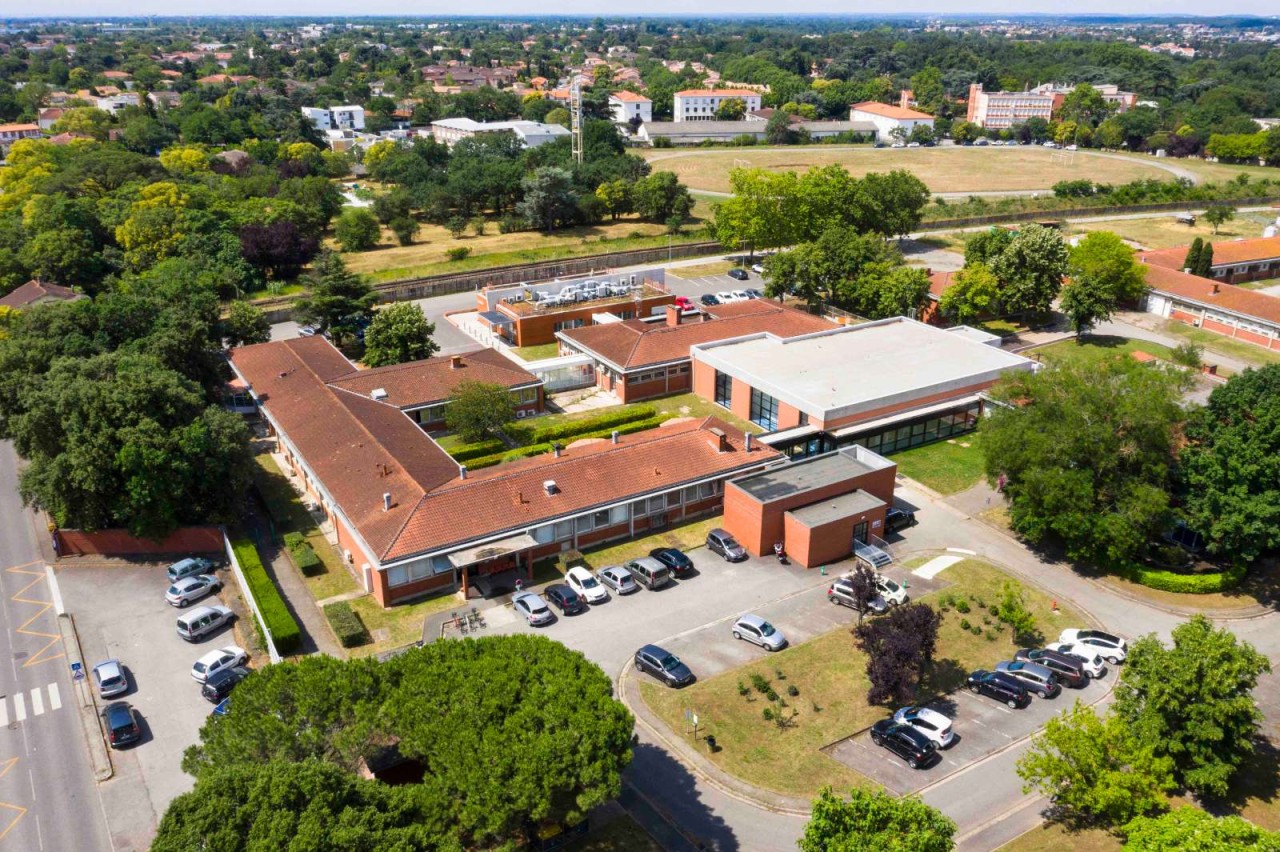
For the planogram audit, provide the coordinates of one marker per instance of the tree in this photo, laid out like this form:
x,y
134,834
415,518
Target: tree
x,y
658,197
778,130
965,131
1189,829
731,109
278,250
338,299
974,293
399,333
477,408
558,115
404,227
1106,273
284,805
761,213
549,200
1218,214
1084,105
85,121
1030,269
1192,260
1205,268
615,195
1192,703
1013,611
862,587
245,324
357,230
1094,770
986,246
457,226
893,203
67,256
928,90
1086,455
875,821
899,648
1231,466
891,291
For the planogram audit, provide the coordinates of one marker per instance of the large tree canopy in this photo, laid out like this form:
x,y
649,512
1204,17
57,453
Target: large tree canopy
x,y
869,822
1189,829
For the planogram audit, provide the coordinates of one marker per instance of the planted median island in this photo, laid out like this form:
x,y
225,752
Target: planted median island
x,y
772,718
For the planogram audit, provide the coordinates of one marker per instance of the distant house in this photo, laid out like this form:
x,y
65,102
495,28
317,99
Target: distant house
x,y
226,79
702,104
628,105
36,292
10,133
48,117
335,118
888,119
530,133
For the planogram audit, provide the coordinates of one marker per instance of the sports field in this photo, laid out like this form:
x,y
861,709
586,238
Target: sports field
x,y
943,169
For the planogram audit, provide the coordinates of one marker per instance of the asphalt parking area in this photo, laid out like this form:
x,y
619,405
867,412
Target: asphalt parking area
x,y
120,612
982,727
716,283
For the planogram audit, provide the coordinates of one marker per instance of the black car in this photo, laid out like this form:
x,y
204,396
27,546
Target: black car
x,y
221,683
1001,687
739,274
663,665
566,599
1066,668
904,741
896,519
709,300
121,722
680,565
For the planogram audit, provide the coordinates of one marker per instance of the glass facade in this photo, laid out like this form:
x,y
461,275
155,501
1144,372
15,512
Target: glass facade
x,y
900,436
724,389
764,410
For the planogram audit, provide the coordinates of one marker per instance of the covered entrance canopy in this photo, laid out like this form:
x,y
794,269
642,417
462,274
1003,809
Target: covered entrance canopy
x,y
492,550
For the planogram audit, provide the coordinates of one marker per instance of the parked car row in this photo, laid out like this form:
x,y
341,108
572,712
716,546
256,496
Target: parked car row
x,y
220,670
888,593
581,588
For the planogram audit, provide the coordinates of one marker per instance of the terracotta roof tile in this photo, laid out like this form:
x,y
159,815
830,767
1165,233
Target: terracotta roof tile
x,y
632,345
36,291
940,282
1228,297
631,97
433,380
901,113
1225,253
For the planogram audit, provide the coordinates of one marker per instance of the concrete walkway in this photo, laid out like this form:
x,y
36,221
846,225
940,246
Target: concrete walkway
x,y
1139,327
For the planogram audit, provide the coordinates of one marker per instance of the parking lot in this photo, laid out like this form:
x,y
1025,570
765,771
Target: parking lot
x,y
982,726
120,612
695,287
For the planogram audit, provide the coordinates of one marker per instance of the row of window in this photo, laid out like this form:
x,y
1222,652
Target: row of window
x,y
922,432
764,410
565,325
435,413
419,570
659,373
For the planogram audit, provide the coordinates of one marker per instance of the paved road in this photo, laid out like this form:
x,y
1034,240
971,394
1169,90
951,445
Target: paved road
x,y
48,799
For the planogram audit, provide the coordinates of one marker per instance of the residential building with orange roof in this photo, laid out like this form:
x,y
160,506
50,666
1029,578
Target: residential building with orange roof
x,y
10,133
1234,261
702,104
1211,303
890,121
629,106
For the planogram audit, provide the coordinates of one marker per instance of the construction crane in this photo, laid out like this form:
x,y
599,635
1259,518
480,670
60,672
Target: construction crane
x,y
575,120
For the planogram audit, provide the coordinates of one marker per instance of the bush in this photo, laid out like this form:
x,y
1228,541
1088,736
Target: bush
x,y
346,624
767,713
663,142
487,447
793,690
761,685
284,630
964,624
962,606
743,689
306,559
771,694
293,540
458,253
509,224
590,424
1187,584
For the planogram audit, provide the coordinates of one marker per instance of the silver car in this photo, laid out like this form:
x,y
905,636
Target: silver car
x,y
189,589
619,579
756,630
533,608
110,678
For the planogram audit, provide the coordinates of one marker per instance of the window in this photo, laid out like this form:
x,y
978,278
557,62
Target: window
x,y
724,389
564,325
804,418
764,410
414,571
701,491
525,396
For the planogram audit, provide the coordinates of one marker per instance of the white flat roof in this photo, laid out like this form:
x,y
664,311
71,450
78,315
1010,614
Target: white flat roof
x,y
860,368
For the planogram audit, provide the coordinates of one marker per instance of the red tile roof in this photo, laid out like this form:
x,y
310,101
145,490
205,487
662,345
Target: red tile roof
x,y
1225,253
511,498
633,344
631,97
433,380
1227,297
940,282
900,113
38,291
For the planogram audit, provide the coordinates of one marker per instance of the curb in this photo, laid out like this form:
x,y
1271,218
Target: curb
x,y
98,755
1246,614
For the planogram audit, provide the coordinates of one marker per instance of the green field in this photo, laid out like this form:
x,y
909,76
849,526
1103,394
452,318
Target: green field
x,y
947,466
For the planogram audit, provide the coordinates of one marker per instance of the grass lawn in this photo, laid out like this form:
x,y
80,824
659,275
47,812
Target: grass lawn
x,y
402,623
1097,347
1246,352
949,169
390,261
290,515
539,352
1258,285
622,834
1053,836
830,674
683,405
719,267
947,467
1002,327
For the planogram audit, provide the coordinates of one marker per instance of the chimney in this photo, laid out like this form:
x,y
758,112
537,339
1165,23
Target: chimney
x,y
614,436
1217,288
719,440
462,471
386,502
673,315
549,486
455,362
746,443
555,448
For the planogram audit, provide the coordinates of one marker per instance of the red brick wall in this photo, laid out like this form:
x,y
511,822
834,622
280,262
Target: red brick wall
x,y
1184,316
185,541
830,542
541,328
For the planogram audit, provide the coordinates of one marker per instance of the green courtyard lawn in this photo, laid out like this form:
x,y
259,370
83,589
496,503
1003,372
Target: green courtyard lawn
x,y
830,674
679,405
1094,347
683,536
539,352
948,467
396,626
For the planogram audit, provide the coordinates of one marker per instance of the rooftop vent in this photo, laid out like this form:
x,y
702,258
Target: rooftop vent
x,y
549,486
378,393
386,502
455,362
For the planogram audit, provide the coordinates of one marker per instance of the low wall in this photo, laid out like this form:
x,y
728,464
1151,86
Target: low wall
x,y
183,542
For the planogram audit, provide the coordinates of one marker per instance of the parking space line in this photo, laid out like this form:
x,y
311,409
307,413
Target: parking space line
x,y
55,698
19,707
37,703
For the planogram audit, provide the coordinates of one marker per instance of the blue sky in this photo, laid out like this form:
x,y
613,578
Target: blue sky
x,y
651,7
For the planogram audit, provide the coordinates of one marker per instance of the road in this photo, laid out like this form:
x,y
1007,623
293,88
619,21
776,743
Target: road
x,y
48,799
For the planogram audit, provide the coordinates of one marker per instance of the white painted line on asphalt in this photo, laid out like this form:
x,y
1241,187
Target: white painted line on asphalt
x,y
37,703
55,591
55,698
19,708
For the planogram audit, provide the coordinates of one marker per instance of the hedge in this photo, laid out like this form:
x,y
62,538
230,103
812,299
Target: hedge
x,y
465,452
346,624
284,630
576,428
304,556
1187,584
538,449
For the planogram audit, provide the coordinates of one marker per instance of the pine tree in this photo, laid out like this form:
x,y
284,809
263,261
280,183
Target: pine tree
x,y
1205,267
1192,263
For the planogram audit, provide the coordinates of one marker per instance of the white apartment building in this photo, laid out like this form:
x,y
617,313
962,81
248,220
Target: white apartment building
x,y
701,104
1001,110
887,118
626,106
335,118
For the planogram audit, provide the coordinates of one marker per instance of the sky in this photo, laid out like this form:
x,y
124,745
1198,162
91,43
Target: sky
x,y
90,8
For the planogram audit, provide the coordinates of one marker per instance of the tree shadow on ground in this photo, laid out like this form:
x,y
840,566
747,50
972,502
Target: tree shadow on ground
x,y
944,676
1258,778
663,796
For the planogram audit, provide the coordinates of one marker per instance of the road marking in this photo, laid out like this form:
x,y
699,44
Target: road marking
x,y
55,698
53,638
19,708
37,703
4,714
4,770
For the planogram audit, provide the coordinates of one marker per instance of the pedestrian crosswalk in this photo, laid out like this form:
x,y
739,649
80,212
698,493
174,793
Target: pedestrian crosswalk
x,y
34,697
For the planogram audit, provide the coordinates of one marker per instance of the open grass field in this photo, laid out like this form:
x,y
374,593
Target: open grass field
x,y
830,674
947,467
1163,231
1246,352
946,169
715,267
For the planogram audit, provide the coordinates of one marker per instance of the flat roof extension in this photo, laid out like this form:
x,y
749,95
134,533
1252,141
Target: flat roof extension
x,y
826,511
810,474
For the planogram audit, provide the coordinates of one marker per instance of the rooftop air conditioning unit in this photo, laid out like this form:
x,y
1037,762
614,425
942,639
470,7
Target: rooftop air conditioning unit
x,y
378,393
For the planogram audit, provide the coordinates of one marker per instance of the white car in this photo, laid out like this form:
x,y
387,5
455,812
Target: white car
x,y
756,630
931,723
1110,647
586,585
726,297
741,296
757,268
1093,664
189,589
220,660
892,592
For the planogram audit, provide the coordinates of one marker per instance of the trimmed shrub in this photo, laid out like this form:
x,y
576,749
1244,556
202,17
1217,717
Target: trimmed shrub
x,y
284,630
306,559
545,447
962,606
793,690
346,624
487,447
1187,584
458,253
576,428
293,540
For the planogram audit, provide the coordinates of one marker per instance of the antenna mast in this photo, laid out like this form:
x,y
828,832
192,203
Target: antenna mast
x,y
575,119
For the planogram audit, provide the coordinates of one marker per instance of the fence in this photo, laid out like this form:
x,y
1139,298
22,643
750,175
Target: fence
x,y
182,542
247,592
1101,210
